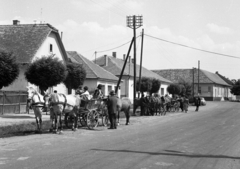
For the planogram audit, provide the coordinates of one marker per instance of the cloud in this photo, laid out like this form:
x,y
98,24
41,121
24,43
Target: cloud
x,y
134,5
91,36
218,29
90,6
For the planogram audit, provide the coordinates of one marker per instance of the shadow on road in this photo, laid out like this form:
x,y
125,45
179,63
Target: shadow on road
x,y
173,153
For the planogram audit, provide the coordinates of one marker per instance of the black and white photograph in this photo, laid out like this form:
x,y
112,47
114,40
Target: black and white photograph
x,y
119,84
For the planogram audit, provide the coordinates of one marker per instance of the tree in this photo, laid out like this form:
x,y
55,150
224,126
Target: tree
x,y
174,89
76,76
155,86
146,85
186,87
46,72
9,69
236,88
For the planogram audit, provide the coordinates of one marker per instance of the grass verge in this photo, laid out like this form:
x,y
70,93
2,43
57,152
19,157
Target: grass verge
x,y
22,129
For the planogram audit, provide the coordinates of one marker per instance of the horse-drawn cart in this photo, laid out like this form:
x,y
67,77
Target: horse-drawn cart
x,y
92,113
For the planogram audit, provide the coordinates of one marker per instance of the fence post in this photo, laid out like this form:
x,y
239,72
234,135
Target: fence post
x,y
3,104
19,101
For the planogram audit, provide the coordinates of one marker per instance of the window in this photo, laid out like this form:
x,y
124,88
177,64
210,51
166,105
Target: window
x,y
209,88
51,48
162,91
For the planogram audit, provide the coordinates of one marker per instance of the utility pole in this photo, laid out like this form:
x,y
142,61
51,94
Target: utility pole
x,y
198,74
95,57
134,22
125,62
140,70
193,82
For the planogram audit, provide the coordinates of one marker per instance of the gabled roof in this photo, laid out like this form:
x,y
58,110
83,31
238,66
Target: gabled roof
x,y
25,39
93,70
187,74
225,79
115,66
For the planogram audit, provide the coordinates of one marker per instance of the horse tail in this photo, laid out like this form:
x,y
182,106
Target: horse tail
x,y
65,102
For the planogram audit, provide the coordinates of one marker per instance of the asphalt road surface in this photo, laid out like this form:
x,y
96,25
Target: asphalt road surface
x,y
208,139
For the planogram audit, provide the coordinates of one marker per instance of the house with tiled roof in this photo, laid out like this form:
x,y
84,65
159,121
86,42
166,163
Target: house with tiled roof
x,y
211,86
115,65
95,74
227,80
29,42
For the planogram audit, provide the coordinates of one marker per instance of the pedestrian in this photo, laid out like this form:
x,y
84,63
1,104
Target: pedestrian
x,y
185,103
85,95
180,99
112,104
79,91
98,94
197,102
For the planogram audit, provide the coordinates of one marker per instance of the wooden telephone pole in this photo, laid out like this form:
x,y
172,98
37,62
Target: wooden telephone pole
x,y
134,22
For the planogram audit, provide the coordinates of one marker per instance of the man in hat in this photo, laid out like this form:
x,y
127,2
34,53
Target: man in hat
x,y
112,105
98,94
197,100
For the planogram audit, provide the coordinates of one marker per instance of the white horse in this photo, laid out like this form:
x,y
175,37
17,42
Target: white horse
x,y
37,104
60,104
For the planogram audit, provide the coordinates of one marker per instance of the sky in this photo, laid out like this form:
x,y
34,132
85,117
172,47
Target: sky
x,y
178,34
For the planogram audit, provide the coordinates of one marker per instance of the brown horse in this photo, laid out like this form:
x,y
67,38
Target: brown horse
x,y
124,105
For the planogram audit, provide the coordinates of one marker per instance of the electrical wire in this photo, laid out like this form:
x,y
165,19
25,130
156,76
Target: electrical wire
x,y
192,47
115,47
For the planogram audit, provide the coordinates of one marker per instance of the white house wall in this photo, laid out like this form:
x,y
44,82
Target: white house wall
x,y
44,50
164,87
106,86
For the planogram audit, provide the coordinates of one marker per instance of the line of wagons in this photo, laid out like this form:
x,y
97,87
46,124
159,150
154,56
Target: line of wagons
x,y
94,112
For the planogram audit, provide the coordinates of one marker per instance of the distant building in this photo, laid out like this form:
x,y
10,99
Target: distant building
x,y
29,42
211,86
115,65
95,74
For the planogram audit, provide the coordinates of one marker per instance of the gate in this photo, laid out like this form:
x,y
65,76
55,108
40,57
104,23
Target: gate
x,y
13,102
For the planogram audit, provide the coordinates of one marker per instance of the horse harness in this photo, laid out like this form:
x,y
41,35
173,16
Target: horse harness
x,y
37,104
58,102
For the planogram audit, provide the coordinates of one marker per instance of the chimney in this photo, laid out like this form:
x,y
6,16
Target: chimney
x,y
124,57
106,60
16,22
114,54
61,35
132,60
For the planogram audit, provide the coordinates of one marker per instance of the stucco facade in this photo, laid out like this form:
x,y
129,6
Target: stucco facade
x,y
46,42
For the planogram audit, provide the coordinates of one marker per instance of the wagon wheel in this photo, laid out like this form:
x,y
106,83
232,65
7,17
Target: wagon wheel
x,y
172,108
177,108
83,119
92,119
104,117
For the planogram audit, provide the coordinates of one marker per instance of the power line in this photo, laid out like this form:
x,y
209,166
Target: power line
x,y
193,47
115,47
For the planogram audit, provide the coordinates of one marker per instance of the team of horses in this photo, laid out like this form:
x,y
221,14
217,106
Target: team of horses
x,y
153,105
61,105
65,105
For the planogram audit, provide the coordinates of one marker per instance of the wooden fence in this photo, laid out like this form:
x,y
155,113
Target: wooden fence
x,y
13,102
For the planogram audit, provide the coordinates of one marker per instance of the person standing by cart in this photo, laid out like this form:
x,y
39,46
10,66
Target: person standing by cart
x,y
185,104
112,104
197,102
98,94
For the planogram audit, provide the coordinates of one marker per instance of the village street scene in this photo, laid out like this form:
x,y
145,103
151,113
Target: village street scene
x,y
119,84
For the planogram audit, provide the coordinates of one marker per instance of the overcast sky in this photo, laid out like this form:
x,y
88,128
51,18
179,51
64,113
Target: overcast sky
x,y
100,25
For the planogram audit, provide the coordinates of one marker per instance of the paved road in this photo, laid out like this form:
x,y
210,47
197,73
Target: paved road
x,y
208,139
